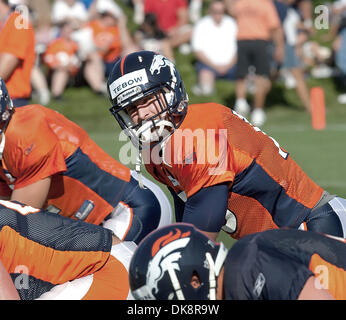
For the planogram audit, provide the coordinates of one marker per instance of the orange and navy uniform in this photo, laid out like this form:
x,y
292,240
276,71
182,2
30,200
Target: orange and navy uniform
x,y
40,143
213,146
279,262
107,40
49,248
17,37
62,52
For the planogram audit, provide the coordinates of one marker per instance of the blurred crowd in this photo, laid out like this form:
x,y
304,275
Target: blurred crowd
x,y
251,42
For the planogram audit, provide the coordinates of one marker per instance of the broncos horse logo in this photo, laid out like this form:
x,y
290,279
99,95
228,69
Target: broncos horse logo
x,y
159,62
166,251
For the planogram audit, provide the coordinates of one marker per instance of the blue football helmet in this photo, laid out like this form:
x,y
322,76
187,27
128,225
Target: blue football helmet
x,y
137,76
6,107
166,259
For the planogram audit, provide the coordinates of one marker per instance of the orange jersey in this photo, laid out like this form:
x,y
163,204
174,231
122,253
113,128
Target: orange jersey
x,y
107,40
48,248
40,142
110,282
62,53
267,189
17,38
43,251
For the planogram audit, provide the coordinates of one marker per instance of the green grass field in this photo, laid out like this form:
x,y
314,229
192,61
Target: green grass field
x,y
321,154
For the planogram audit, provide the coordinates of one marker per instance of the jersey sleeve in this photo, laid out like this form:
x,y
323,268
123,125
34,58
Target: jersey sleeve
x,y
18,41
35,156
257,273
211,205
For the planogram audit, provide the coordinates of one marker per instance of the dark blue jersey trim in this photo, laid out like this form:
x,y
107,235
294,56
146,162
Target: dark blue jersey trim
x,y
80,167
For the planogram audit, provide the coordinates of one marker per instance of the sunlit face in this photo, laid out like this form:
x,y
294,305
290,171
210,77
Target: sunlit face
x,y
146,108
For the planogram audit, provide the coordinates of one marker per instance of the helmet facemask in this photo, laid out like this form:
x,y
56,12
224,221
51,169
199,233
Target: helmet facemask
x,y
156,129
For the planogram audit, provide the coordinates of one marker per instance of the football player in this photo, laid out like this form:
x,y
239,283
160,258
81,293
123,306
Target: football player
x,y
49,256
222,171
47,161
179,262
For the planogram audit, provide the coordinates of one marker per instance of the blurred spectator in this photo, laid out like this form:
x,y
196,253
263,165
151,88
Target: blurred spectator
x,y
44,34
305,9
87,3
110,34
150,37
92,64
61,59
138,11
69,10
337,34
295,37
317,57
258,24
340,51
14,3
35,8
195,10
172,17
339,47
17,53
112,6
214,44
337,19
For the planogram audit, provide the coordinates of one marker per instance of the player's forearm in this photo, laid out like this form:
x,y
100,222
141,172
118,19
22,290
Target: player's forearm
x,y
34,195
8,63
7,288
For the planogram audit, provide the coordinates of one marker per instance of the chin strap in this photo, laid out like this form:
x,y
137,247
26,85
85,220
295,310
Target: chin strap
x,y
138,168
145,135
215,268
175,282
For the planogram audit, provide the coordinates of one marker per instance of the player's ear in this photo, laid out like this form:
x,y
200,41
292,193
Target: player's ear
x,y
195,281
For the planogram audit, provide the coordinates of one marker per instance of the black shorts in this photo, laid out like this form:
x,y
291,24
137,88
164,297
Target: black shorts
x,y
255,53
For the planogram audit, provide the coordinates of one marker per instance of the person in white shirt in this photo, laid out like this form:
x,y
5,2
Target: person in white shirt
x,y
69,9
295,38
214,45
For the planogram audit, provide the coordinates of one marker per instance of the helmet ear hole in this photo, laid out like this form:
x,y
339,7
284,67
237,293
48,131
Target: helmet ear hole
x,y
195,280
